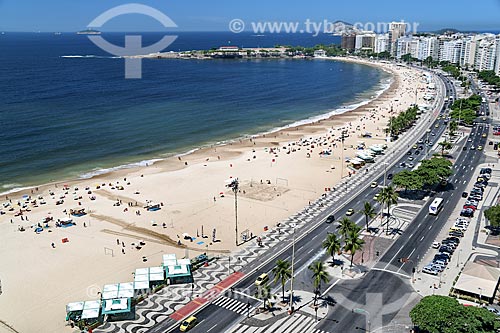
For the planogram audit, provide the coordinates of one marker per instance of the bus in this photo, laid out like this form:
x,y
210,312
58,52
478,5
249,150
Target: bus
x,y
436,206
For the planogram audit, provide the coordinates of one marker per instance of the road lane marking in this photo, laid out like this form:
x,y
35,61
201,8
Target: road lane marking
x,y
389,271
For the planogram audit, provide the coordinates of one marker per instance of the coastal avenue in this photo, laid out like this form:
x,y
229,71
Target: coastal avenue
x,y
213,318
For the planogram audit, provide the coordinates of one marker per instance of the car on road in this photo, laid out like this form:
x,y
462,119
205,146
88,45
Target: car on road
x,y
470,139
408,153
410,158
420,141
417,152
465,194
389,176
410,165
188,324
472,148
484,134
262,279
330,219
479,148
436,126
493,310
374,184
375,197
414,147
402,164
349,212
421,147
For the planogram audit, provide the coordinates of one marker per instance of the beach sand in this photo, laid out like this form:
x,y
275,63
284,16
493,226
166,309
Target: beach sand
x,y
279,174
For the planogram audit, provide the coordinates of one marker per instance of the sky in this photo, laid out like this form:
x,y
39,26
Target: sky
x,y
215,15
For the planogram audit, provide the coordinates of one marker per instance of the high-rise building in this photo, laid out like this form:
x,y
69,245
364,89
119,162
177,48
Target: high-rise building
x,y
428,47
348,42
365,41
497,56
407,45
469,47
485,54
450,50
381,43
396,30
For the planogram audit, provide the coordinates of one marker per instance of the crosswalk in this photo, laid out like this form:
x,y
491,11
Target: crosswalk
x,y
298,323
231,304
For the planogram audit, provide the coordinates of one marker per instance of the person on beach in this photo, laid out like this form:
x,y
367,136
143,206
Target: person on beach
x,y
53,245
117,241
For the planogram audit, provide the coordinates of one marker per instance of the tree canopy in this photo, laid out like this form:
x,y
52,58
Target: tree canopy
x,y
443,314
493,215
465,109
490,77
409,180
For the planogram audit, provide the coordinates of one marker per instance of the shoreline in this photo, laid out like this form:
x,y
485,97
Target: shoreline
x,y
158,158
279,174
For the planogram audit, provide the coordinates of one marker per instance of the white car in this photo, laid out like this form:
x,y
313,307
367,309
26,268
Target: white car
x,y
436,245
430,270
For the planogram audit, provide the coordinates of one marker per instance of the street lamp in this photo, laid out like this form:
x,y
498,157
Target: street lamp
x,y
234,185
342,137
480,294
458,257
363,311
293,261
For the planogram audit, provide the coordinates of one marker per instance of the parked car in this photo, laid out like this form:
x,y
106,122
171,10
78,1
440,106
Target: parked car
x,y
429,270
465,194
436,245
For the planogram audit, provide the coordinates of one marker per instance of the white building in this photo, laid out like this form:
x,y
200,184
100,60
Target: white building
x,y
365,41
469,47
497,57
485,55
382,43
428,47
396,30
450,50
407,45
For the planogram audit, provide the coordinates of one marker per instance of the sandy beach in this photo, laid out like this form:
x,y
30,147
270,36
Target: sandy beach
x,y
279,174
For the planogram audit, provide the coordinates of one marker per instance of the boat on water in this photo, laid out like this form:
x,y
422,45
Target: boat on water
x,y
89,32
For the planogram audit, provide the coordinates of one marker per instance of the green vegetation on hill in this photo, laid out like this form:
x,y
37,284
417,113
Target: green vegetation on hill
x,y
443,314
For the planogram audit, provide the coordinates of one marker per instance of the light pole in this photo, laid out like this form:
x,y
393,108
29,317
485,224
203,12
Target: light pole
x,y
458,257
363,311
235,187
342,137
480,294
291,278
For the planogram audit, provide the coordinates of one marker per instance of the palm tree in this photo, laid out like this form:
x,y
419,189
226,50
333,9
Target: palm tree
x,y
264,293
388,197
332,245
345,225
353,243
368,212
319,275
445,145
282,273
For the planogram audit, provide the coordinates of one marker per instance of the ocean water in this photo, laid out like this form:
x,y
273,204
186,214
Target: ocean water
x,y
66,110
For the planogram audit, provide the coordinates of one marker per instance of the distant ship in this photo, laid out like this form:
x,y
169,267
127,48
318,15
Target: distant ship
x,y
89,32
57,33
